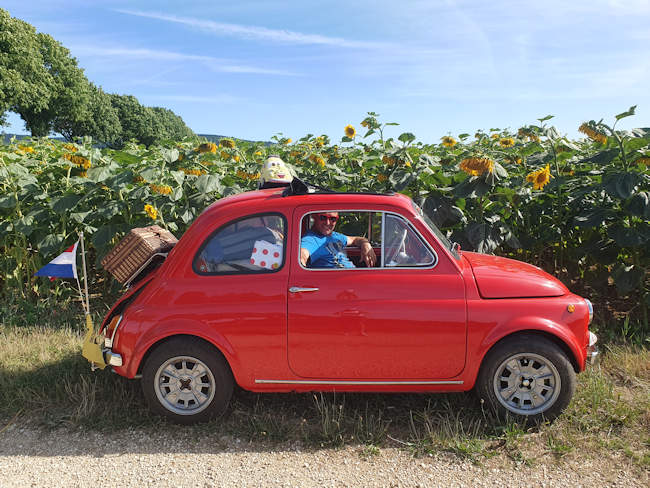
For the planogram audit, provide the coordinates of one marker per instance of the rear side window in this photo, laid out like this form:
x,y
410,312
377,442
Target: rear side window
x,y
254,244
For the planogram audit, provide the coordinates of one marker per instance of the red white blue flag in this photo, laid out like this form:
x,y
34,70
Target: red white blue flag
x,y
62,266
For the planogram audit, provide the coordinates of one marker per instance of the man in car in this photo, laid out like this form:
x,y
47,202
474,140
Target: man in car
x,y
325,248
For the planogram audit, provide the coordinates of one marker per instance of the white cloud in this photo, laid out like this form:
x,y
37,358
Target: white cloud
x,y
215,64
258,33
213,99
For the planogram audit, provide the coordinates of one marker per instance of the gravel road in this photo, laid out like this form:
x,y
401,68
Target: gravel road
x,y
30,457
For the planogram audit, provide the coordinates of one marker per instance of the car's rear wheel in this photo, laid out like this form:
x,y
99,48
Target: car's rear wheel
x,y
527,377
187,381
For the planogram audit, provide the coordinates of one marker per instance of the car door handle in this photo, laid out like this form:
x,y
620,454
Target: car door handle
x,y
297,289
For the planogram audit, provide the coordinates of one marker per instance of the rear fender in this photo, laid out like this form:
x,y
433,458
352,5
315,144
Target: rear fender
x,y
174,327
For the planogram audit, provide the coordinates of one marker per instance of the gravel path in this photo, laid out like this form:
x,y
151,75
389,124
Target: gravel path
x,y
63,458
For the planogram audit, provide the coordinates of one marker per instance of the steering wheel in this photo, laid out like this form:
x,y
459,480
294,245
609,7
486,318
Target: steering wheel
x,y
395,246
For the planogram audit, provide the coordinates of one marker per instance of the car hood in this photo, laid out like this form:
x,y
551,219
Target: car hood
x,y
498,277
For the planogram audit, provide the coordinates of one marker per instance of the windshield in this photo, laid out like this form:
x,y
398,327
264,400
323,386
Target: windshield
x,y
451,246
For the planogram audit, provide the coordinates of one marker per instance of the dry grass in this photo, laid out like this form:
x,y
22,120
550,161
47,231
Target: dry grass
x,y
44,379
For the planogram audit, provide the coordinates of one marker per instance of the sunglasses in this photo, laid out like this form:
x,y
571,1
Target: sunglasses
x,y
326,218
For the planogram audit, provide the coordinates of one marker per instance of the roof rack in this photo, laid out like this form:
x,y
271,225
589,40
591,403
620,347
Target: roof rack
x,y
299,187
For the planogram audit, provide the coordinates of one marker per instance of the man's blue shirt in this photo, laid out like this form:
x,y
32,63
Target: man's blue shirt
x,y
326,251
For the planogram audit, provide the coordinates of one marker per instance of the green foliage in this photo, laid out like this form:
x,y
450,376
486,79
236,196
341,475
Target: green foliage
x,y
25,83
579,209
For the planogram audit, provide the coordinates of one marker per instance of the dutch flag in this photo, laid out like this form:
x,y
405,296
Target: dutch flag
x,y
62,266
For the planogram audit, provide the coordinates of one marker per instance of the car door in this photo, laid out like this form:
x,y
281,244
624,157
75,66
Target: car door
x,y
394,321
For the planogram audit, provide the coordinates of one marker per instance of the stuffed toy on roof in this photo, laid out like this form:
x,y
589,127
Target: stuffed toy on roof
x,y
274,173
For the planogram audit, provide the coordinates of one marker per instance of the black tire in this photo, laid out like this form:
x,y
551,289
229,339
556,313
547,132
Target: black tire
x,y
187,381
526,377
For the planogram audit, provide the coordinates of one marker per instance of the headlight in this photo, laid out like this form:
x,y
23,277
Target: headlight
x,y
591,311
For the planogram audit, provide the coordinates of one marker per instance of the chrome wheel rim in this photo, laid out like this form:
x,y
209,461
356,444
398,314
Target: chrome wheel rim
x,y
527,384
184,385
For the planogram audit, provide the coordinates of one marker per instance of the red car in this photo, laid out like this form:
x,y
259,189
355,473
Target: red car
x,y
234,303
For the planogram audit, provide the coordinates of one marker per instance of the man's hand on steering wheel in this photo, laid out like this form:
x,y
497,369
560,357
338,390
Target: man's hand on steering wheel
x,y
368,254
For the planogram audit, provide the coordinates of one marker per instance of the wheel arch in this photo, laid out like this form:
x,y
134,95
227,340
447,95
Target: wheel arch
x,y
171,337
558,341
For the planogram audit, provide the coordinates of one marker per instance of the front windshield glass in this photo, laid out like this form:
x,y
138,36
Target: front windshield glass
x,y
438,233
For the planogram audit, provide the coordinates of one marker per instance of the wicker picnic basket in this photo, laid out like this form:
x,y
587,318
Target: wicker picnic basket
x,y
136,249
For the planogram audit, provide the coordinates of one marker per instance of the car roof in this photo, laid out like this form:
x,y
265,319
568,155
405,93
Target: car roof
x,y
275,198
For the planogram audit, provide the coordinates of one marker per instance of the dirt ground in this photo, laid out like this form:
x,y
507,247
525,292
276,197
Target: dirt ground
x,y
32,457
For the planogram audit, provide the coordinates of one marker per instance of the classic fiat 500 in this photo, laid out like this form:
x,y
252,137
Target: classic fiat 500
x,y
255,293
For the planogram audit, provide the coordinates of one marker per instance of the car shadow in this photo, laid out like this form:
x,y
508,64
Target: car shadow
x,y
100,413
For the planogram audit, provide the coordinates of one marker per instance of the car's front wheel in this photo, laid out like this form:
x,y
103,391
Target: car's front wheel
x,y
526,377
187,381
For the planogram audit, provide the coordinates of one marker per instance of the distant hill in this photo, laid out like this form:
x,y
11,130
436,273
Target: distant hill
x,y
216,138
210,137
7,137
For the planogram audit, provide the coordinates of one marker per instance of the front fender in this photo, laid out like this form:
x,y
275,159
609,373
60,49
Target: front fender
x,y
535,324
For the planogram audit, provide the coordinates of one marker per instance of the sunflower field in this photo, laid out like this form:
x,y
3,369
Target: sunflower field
x,y
580,209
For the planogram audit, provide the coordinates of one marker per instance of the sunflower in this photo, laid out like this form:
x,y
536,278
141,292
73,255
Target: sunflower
x,y
381,177
506,142
448,141
643,160
350,131
206,147
229,143
388,160
318,160
494,136
151,211
477,166
540,178
593,134
161,189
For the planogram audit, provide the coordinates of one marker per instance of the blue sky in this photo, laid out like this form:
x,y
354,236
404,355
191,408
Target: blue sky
x,y
253,69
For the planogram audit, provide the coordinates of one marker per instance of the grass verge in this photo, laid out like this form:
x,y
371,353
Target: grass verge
x,y
44,379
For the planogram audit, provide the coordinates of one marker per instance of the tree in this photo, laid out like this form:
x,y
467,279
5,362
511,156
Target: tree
x,y
100,120
69,93
173,125
41,82
25,83
146,124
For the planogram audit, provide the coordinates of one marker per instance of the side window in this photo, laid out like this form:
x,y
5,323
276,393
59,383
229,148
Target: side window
x,y
254,244
394,242
402,246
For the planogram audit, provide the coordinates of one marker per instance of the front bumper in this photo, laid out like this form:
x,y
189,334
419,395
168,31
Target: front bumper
x,y
592,349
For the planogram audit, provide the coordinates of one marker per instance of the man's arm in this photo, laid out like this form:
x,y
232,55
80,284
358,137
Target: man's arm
x,y
367,252
304,256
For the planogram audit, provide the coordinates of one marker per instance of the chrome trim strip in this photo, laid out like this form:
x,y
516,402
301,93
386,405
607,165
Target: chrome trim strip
x,y
323,382
591,310
297,289
383,238
109,342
